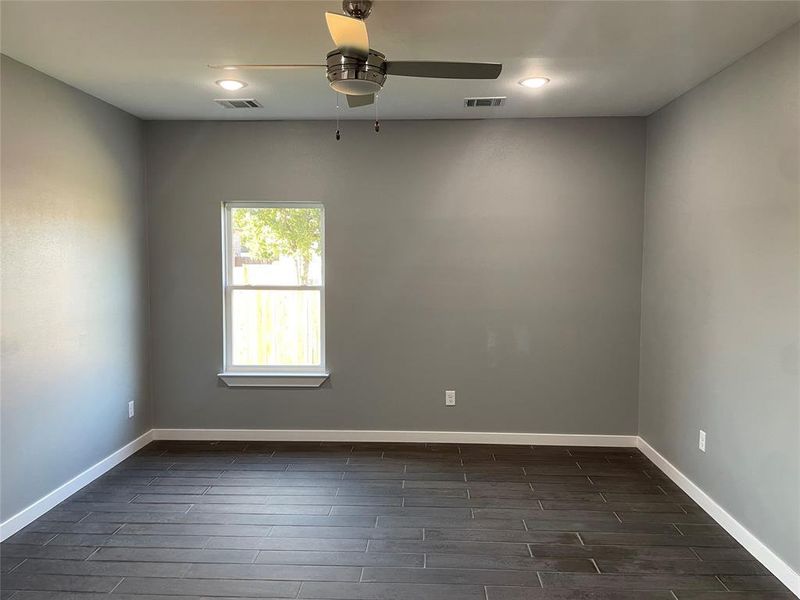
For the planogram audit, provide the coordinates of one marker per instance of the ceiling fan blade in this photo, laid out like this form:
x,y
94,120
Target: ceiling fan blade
x,y
356,101
443,70
348,32
245,67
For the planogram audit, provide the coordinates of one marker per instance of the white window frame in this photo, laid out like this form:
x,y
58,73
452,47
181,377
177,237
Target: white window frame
x,y
267,375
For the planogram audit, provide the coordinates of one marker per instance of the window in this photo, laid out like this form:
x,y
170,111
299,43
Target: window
x,y
274,284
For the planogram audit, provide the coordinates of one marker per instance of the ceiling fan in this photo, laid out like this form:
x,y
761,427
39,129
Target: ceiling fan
x,y
359,72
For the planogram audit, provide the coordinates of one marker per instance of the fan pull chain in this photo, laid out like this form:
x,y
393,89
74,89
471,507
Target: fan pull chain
x,y
338,134
377,122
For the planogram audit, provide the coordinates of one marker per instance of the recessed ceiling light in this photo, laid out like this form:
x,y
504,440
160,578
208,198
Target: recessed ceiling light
x,y
231,84
535,82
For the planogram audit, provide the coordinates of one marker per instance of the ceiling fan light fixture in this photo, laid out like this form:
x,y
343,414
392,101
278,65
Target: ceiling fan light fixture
x,y
534,82
358,71
231,84
355,87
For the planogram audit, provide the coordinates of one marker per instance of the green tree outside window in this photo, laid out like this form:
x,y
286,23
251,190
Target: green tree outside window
x,y
269,233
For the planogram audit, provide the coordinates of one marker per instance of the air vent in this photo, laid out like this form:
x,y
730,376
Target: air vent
x,y
484,102
238,103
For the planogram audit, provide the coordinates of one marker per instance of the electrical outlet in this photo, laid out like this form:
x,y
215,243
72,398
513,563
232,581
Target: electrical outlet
x,y
130,409
450,398
702,443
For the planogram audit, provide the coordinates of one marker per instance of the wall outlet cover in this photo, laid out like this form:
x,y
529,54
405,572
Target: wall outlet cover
x,y
130,409
450,398
702,441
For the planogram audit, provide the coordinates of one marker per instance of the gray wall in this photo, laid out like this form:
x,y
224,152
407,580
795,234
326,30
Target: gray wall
x,y
74,316
720,298
501,259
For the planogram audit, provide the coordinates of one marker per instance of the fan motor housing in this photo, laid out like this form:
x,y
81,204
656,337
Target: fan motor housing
x,y
354,74
358,9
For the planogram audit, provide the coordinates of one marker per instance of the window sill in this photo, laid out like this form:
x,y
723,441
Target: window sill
x,y
274,380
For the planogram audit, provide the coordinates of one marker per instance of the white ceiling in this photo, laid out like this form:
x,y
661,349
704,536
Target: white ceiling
x,y
604,58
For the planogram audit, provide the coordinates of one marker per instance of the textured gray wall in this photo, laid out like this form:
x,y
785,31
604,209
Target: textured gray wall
x,y
720,298
74,299
501,259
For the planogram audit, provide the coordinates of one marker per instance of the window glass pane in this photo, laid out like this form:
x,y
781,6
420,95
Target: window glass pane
x,y
276,327
276,246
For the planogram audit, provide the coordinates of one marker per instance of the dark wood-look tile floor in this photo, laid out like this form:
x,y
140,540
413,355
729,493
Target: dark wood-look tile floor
x,y
381,522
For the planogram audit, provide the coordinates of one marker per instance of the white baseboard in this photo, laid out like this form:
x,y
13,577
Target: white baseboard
x,y
361,435
756,547
27,515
